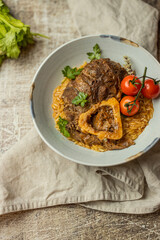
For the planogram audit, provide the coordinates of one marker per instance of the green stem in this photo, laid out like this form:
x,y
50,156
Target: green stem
x,y
144,77
147,77
2,18
40,35
142,86
5,21
156,81
11,24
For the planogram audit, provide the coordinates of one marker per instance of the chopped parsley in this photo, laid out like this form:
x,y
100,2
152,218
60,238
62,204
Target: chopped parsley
x,y
96,54
62,126
71,73
80,99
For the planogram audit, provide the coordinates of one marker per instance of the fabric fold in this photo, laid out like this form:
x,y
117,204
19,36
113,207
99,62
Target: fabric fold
x,y
38,176
150,202
34,176
119,17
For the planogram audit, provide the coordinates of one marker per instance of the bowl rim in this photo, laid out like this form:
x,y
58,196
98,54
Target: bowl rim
x,y
114,37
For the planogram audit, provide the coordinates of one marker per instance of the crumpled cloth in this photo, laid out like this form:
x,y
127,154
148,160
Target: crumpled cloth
x,y
33,176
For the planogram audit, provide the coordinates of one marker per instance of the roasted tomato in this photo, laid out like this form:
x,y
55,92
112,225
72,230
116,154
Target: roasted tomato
x,y
151,89
130,85
126,106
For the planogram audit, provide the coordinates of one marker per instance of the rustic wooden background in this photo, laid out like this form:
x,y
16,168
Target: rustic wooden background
x,y
71,222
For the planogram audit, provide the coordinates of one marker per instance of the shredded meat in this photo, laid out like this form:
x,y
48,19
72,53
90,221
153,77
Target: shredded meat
x,y
100,80
103,119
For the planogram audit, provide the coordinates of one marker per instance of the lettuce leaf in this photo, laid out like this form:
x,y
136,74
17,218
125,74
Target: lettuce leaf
x,y
14,34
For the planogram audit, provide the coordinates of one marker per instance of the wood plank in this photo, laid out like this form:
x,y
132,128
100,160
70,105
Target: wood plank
x,y
52,17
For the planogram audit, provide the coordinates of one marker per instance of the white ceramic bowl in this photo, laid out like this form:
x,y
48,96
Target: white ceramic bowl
x,y
49,76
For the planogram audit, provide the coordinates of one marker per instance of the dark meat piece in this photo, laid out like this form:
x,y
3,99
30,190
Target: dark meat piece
x,y
102,92
100,80
118,144
69,94
103,79
91,140
103,119
81,85
84,138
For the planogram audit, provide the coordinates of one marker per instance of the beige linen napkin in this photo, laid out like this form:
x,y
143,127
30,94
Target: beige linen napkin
x,y
33,176
133,19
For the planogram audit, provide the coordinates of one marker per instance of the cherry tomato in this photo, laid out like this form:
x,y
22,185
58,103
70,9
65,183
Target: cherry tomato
x,y
130,85
150,90
129,100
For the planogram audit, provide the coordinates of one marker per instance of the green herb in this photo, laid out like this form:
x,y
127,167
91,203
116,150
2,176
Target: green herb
x,y
96,54
80,99
13,34
71,73
62,126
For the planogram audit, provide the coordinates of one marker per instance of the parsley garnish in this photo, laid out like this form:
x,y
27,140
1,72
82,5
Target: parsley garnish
x,y
96,54
62,126
80,99
14,34
71,73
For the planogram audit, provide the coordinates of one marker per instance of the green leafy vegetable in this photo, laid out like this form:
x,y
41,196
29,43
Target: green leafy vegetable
x,y
96,54
13,34
62,126
80,99
71,73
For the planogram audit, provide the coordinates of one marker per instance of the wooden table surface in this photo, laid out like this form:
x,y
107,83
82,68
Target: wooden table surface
x,y
68,222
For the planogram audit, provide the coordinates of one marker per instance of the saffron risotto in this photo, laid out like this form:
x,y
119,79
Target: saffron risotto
x,y
132,126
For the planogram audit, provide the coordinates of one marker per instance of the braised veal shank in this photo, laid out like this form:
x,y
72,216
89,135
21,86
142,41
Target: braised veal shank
x,y
100,79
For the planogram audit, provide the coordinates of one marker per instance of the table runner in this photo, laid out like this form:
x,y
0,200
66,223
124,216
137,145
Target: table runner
x,y
33,176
